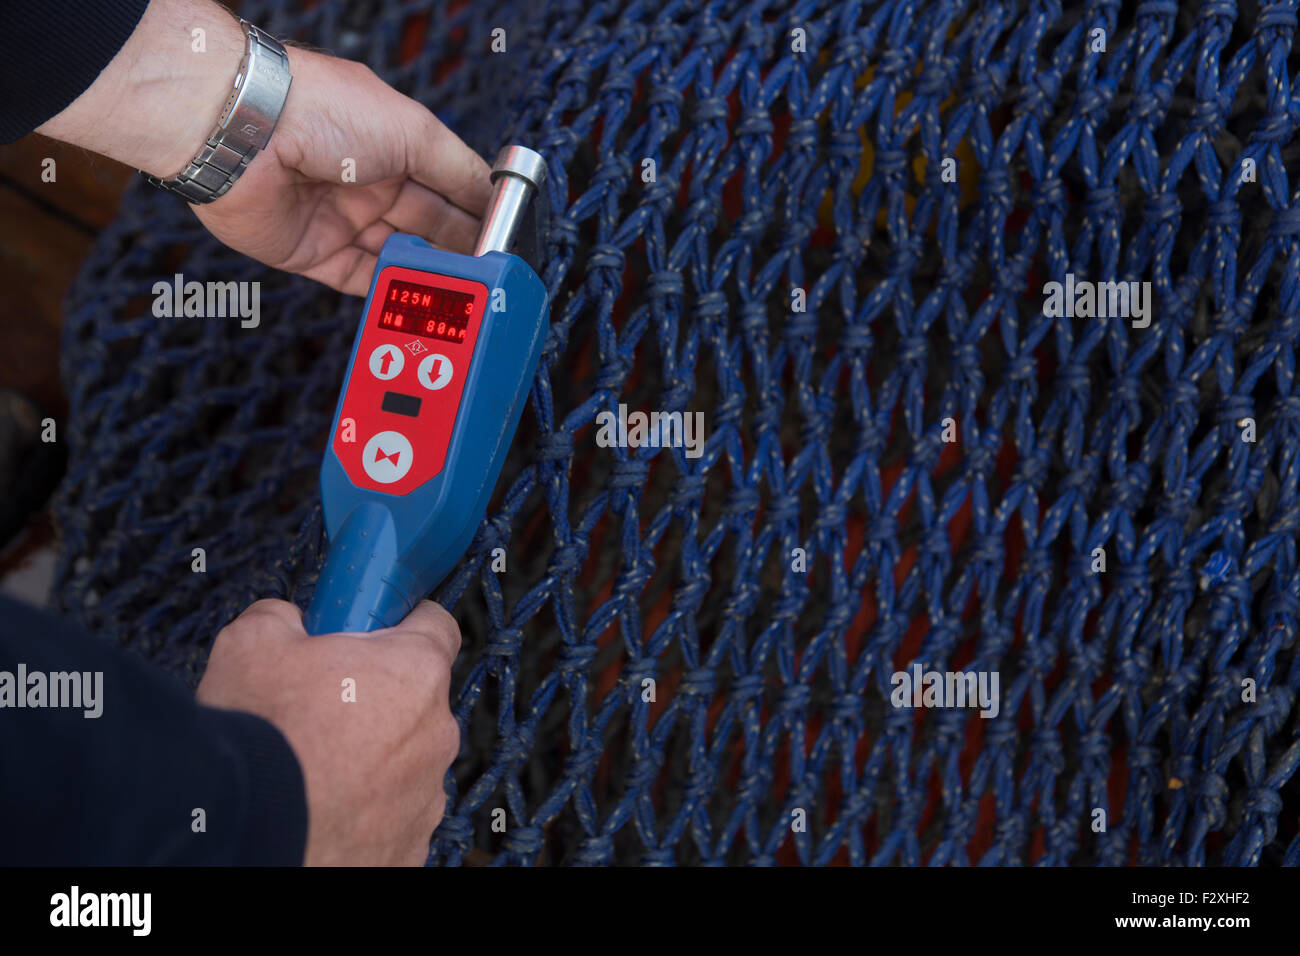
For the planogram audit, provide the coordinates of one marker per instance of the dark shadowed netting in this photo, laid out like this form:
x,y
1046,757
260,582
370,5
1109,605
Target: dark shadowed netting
x,y
1125,690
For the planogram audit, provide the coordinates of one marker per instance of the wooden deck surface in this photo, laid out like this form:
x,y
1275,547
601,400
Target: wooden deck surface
x,y
46,230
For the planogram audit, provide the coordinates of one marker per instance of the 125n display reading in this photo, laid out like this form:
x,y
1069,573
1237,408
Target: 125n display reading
x,y
426,310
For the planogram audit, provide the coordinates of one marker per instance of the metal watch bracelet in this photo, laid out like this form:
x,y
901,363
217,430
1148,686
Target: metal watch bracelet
x,y
246,123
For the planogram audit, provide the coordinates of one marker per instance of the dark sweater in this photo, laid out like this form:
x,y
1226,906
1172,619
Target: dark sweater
x,y
52,52
123,787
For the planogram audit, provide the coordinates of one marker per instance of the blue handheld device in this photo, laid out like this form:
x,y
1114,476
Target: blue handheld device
x,y
441,367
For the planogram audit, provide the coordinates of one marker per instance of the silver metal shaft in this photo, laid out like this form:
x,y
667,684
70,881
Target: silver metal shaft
x,y
518,173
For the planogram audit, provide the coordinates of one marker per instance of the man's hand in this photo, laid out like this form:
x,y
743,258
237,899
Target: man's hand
x,y
373,766
292,209
297,206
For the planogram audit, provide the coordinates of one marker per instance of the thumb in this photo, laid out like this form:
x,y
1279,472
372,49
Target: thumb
x,y
286,617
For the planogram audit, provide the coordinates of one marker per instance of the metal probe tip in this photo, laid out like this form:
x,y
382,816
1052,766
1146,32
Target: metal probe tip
x,y
518,172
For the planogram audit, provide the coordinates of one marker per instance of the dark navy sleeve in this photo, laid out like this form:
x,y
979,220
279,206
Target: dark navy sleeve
x,y
155,778
51,51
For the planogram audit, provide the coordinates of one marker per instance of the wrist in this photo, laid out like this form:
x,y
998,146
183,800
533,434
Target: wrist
x,y
155,104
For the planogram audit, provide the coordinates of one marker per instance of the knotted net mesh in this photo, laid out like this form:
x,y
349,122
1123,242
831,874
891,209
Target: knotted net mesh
x,y
907,461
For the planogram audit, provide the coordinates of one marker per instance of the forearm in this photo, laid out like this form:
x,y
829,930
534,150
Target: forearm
x,y
159,98
350,162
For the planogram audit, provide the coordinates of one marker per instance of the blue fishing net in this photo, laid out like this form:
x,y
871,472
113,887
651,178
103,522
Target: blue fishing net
x,y
917,467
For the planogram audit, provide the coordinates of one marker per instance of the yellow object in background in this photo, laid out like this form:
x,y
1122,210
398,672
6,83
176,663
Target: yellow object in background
x,y
967,165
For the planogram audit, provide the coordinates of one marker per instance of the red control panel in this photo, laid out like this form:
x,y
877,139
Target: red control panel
x,y
407,379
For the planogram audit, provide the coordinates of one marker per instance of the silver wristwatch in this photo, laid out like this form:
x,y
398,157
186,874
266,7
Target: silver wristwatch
x,y
246,123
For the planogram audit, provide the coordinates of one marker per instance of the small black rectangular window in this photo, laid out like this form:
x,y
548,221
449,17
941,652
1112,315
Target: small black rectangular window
x,y
400,404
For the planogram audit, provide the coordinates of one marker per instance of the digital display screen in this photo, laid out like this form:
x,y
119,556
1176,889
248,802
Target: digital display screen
x,y
400,404
426,310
